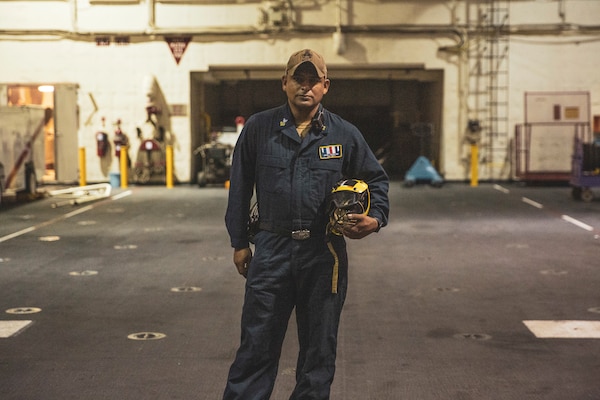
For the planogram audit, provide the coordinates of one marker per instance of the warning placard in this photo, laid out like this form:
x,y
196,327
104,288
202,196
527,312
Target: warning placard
x,y
178,45
557,107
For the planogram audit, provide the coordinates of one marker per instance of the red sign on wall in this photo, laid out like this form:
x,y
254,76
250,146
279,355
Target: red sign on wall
x,y
178,46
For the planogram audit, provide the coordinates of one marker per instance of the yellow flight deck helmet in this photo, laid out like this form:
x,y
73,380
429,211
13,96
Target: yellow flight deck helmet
x,y
348,196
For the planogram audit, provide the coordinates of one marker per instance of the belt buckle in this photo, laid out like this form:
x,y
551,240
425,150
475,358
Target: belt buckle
x,y
302,234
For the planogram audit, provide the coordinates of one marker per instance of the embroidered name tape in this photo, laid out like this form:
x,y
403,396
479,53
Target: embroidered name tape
x,y
331,151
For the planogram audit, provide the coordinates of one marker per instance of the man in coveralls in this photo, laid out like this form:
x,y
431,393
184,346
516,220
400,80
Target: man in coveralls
x,y
295,154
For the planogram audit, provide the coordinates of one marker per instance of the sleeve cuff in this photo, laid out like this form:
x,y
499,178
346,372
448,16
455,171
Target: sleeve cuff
x,y
379,224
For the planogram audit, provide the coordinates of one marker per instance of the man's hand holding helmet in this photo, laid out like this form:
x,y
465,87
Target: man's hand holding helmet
x,y
349,204
361,225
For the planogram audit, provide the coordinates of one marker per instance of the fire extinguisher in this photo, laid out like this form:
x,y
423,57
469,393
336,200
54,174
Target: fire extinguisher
x,y
101,144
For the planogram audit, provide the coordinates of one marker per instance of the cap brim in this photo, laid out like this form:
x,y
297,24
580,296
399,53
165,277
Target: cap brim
x,y
320,73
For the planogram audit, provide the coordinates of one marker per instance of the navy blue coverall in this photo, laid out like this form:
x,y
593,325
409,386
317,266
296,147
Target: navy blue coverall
x,y
293,177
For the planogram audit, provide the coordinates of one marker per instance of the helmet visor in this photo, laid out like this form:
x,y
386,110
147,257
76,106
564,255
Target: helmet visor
x,y
349,201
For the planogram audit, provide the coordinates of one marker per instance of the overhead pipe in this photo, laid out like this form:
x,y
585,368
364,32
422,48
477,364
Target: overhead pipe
x,y
459,33
74,15
151,15
339,43
561,11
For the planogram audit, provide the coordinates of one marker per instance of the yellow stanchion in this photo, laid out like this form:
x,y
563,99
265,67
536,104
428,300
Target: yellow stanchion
x,y
169,171
123,166
474,165
82,170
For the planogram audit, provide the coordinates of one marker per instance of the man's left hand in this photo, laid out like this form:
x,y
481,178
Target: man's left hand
x,y
361,225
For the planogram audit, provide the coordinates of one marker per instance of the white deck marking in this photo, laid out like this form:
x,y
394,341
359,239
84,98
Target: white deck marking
x,y
11,328
501,189
532,203
17,234
578,223
564,329
60,218
121,195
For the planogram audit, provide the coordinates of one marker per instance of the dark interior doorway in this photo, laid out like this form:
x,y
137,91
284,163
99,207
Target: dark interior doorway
x,y
385,107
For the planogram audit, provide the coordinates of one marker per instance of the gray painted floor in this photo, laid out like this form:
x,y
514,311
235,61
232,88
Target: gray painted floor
x,y
435,308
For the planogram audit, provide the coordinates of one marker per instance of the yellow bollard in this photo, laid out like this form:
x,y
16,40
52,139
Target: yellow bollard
x,y
169,171
82,171
474,165
123,166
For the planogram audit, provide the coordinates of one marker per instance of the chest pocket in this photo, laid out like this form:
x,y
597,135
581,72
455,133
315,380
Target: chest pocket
x,y
273,173
325,173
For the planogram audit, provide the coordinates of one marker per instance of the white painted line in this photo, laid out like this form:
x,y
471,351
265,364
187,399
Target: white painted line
x,y
501,189
121,195
531,202
11,328
577,223
60,218
564,329
17,234
78,211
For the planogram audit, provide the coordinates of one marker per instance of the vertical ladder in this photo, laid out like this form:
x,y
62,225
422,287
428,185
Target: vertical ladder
x,y
488,86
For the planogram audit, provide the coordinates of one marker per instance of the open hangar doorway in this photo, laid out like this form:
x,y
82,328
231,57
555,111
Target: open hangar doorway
x,y
389,104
